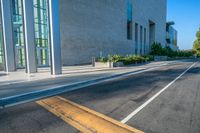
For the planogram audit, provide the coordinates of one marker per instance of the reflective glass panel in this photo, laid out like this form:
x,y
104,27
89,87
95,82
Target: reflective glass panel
x,y
18,33
41,31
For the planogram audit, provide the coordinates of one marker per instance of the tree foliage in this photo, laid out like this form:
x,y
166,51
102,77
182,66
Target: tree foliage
x,y
196,46
158,50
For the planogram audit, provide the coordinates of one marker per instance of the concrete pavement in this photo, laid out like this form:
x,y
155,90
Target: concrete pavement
x,y
15,93
67,71
175,110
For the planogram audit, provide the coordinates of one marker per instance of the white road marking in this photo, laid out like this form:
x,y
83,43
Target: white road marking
x,y
125,120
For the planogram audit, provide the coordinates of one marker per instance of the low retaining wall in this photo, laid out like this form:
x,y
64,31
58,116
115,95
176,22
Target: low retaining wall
x,y
160,58
108,64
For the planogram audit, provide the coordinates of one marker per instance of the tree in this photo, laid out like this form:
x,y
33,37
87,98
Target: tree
x,y
167,51
156,49
196,45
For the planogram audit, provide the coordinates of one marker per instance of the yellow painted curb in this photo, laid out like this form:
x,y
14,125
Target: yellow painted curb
x,y
84,119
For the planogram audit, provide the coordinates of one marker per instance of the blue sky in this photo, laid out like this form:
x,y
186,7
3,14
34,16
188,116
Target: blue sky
x,y
186,14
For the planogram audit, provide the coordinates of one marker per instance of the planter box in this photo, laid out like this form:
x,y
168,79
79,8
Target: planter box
x,y
109,64
160,58
118,64
180,58
101,64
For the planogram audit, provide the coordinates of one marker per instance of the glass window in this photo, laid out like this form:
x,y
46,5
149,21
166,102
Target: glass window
x,y
145,40
136,38
141,37
18,33
129,20
41,31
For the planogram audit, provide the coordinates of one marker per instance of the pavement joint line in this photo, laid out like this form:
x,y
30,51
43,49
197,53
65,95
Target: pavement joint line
x,y
83,118
53,91
135,112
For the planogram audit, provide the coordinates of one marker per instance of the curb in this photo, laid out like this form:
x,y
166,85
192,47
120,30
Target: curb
x,y
36,95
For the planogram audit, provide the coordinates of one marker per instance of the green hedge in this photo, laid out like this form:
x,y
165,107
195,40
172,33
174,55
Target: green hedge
x,y
127,60
158,50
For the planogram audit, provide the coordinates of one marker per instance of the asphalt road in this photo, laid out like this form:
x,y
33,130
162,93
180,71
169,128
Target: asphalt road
x,y
176,110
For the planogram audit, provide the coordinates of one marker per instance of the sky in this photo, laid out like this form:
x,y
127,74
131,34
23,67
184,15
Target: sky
x,y
186,15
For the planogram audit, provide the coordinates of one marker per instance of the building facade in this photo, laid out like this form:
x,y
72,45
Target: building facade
x,y
93,28
42,33
172,36
30,35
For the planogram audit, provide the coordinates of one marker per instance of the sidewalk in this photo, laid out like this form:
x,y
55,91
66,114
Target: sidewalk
x,y
70,71
19,87
43,73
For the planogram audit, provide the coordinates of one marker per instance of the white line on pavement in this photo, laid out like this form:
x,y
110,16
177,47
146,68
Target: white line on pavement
x,y
125,120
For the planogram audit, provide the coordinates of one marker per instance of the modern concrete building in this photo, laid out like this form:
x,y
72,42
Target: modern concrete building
x,y
171,36
42,33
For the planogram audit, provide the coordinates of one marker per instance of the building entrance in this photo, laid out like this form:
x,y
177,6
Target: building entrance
x,y
41,32
42,57
18,33
152,27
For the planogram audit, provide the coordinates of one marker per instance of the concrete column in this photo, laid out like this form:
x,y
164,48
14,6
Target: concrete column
x,y
8,36
29,35
55,46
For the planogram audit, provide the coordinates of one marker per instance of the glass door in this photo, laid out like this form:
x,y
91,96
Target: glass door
x,y
42,56
20,61
18,33
41,32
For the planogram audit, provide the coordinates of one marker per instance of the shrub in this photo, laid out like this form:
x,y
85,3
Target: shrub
x,y
102,59
115,58
156,49
185,53
148,58
127,60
